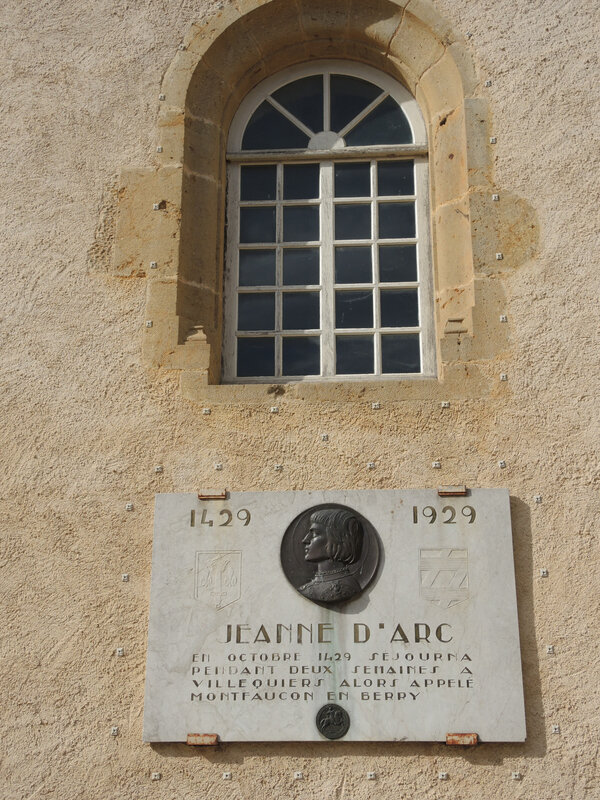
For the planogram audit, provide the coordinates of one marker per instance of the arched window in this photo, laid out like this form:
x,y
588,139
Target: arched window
x,y
328,268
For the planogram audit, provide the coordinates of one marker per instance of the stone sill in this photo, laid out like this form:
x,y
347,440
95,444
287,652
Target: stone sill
x,y
461,382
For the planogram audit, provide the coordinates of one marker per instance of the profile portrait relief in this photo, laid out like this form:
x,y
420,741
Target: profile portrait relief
x,y
332,541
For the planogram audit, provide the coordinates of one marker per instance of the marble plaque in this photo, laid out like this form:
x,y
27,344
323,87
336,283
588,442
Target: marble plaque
x,y
356,615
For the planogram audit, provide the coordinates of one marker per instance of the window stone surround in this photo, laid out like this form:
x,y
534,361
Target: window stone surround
x,y
215,67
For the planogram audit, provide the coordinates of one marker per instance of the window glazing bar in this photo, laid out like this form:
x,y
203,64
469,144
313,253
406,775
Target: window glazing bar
x,y
344,154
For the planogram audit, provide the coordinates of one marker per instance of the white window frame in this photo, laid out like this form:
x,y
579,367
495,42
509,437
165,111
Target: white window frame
x,y
326,158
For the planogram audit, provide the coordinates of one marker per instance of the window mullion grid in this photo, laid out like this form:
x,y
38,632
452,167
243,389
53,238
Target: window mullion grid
x,y
232,274
363,114
375,257
418,194
327,270
278,271
327,287
424,276
358,153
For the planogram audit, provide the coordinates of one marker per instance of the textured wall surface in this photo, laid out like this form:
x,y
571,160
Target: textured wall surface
x,y
85,423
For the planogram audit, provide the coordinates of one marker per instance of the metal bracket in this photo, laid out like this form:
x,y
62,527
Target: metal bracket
x,y
213,494
202,738
463,739
452,491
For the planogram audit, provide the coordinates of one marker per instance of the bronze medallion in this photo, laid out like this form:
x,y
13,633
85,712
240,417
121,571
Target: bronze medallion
x,y
330,553
333,721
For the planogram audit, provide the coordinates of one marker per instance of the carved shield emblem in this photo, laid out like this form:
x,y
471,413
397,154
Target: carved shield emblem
x,y
444,576
218,577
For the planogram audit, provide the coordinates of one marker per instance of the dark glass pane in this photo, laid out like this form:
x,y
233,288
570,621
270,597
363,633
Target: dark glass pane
x,y
268,129
349,96
301,266
354,309
397,262
301,311
400,353
353,221
353,265
300,224
395,177
353,180
257,224
258,183
386,124
354,355
257,267
304,98
256,357
396,220
256,312
301,355
399,308
300,181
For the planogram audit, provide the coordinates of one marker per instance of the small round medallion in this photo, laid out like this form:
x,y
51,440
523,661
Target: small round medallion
x,y
330,553
333,721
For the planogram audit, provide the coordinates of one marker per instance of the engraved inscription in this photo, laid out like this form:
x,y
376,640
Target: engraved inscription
x,y
427,644
444,576
448,514
224,518
218,577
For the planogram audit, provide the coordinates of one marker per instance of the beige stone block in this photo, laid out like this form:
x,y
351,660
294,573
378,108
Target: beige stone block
x,y
431,18
463,61
233,53
369,53
177,77
488,337
330,48
404,74
324,18
273,27
508,227
204,147
133,255
375,22
251,78
161,338
207,94
202,228
415,45
170,136
143,234
454,350
454,307
479,161
448,157
161,298
192,355
202,35
442,85
200,306
453,256
284,54
248,6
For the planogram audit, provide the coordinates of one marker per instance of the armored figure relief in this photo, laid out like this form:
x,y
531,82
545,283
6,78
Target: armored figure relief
x,y
334,541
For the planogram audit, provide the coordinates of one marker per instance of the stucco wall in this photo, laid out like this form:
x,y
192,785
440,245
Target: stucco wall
x,y
85,422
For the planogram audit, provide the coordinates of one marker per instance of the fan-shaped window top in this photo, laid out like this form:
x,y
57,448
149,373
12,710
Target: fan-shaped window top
x,y
328,111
